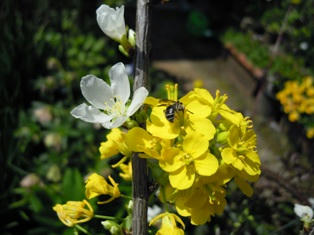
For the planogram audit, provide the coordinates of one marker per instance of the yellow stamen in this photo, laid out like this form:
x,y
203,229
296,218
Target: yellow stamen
x,y
172,91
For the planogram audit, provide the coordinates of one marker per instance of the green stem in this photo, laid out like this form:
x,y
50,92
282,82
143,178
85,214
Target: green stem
x,y
78,227
106,217
125,196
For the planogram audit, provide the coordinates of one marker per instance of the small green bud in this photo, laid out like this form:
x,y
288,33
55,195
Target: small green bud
x,y
112,226
222,136
129,124
131,38
123,51
129,207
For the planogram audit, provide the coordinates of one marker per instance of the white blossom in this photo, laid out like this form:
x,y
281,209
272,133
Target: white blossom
x,y
152,212
109,104
111,21
304,212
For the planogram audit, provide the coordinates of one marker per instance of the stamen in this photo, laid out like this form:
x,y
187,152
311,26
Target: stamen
x,y
172,91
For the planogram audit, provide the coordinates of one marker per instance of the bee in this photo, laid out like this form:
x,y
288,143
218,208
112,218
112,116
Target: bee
x,y
172,109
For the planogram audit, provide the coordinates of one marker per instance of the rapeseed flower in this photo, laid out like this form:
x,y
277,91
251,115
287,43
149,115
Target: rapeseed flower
x,y
168,224
96,185
297,99
74,212
115,144
184,165
241,151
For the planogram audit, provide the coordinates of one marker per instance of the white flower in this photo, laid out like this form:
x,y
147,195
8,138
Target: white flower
x,y
152,212
111,21
112,100
304,212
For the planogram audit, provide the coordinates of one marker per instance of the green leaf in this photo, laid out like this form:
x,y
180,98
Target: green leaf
x,y
73,185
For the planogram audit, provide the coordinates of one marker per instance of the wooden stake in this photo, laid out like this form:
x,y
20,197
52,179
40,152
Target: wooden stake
x,y
139,167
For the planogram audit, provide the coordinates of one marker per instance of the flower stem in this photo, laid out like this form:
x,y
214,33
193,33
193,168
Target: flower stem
x,y
80,228
106,217
125,196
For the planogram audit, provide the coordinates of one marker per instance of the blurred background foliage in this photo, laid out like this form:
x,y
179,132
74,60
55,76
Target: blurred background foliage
x,y
47,46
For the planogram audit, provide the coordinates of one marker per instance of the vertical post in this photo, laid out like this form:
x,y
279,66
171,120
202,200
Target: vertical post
x,y
139,167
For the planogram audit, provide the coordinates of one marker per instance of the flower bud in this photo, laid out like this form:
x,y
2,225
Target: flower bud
x,y
111,21
112,226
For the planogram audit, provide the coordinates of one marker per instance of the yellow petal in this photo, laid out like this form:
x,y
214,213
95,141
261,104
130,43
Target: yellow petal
x,y
228,155
244,186
201,125
238,164
172,159
253,156
206,165
108,149
139,140
230,115
195,144
199,217
234,135
136,139
204,94
183,211
96,185
151,101
159,126
182,178
198,108
252,168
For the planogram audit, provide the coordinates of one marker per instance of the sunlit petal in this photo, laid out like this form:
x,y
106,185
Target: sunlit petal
x,y
90,114
96,91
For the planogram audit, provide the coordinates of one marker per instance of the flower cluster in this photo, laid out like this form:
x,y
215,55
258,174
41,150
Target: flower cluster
x,y
75,212
199,143
297,99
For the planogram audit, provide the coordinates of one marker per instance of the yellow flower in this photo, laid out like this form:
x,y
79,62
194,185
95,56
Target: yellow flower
x,y
115,143
126,173
241,153
193,118
310,133
204,104
200,202
139,140
97,185
74,212
294,116
183,165
168,224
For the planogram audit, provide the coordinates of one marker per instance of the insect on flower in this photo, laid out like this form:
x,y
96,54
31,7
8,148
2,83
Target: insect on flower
x,y
172,109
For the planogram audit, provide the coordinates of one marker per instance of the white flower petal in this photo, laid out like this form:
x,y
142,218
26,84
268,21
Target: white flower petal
x,y
139,97
303,211
89,114
96,91
311,201
116,122
111,21
119,80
